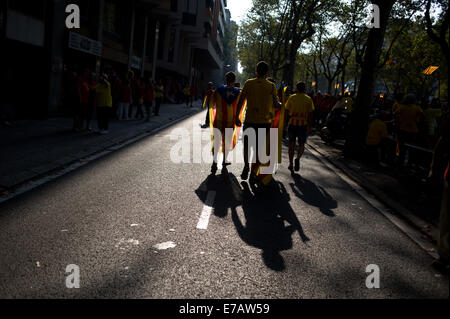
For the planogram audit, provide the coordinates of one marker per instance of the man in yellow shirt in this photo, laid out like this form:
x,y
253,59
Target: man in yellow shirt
x,y
261,95
299,107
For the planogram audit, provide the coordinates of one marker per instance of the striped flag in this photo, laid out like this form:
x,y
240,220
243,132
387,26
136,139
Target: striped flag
x,y
222,115
278,122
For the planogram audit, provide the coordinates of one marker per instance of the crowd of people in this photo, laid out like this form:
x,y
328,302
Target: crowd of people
x,y
400,119
395,122
257,107
125,97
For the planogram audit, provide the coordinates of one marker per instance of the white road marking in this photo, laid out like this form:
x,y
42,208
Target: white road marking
x,y
164,246
207,210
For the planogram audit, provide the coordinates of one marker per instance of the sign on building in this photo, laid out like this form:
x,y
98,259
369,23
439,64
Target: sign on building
x,y
84,44
136,62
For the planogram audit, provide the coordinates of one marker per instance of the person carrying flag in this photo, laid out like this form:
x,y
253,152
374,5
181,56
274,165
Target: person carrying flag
x,y
222,117
299,108
261,96
265,176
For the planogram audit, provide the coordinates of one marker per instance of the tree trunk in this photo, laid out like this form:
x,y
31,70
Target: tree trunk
x,y
343,80
289,69
330,84
360,115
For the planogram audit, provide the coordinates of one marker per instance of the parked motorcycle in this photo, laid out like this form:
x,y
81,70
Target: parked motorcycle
x,y
337,121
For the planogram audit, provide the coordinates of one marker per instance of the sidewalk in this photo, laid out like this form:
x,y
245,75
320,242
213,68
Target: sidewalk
x,y
404,192
31,149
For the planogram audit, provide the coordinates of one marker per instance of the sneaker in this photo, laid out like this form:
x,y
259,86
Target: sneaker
x,y
297,164
254,181
244,175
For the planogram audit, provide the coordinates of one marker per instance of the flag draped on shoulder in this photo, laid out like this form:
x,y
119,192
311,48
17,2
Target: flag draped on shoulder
x,y
208,98
222,112
277,123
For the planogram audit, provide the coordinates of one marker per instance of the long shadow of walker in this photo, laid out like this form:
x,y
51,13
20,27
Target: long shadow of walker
x,y
265,213
314,195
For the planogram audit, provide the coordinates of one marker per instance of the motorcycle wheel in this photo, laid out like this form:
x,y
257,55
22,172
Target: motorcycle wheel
x,y
326,135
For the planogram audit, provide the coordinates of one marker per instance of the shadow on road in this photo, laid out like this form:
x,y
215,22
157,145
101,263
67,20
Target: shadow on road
x,y
265,212
228,193
314,195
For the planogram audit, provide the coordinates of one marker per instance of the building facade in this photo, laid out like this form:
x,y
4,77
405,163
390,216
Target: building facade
x,y
180,42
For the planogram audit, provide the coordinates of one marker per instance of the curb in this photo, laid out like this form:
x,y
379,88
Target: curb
x,y
404,219
52,174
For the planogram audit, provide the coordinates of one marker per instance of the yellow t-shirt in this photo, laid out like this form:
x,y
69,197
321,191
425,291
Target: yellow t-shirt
x,y
260,94
299,106
408,117
159,90
103,95
377,131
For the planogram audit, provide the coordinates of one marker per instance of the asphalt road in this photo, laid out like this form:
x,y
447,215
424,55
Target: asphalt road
x,y
308,236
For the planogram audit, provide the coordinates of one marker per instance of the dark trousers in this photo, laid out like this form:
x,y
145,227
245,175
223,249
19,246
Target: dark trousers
x,y
87,111
158,101
140,111
207,117
148,108
254,145
103,114
403,138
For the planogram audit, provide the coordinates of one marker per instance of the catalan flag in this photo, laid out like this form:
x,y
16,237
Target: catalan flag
x,y
208,96
278,122
430,70
222,113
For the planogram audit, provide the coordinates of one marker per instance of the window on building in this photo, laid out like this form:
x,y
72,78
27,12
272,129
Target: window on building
x,y
85,8
190,13
116,20
174,5
110,17
161,40
191,6
35,8
207,27
172,39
